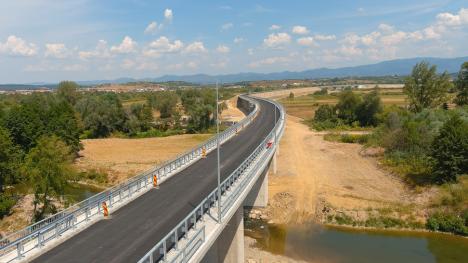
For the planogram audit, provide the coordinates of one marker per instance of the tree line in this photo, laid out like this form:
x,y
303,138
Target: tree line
x,y
40,133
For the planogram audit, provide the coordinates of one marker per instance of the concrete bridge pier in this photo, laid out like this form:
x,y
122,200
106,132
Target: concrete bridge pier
x,y
229,247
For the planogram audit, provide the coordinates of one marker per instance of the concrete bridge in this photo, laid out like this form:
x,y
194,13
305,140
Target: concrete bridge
x,y
170,213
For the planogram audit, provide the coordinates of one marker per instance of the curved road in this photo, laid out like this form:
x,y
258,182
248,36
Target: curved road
x,y
135,228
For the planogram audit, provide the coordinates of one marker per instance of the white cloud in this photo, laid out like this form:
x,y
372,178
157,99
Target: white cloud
x,y
223,49
227,26
274,27
385,28
350,51
56,50
163,45
370,39
393,38
324,37
18,47
269,61
307,41
238,40
300,30
168,14
277,40
195,47
101,51
250,51
449,19
153,28
127,46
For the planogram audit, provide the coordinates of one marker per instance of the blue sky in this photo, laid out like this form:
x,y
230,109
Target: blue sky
x,y
52,40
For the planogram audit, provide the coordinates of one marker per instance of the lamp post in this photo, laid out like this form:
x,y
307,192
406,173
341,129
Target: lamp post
x,y
217,150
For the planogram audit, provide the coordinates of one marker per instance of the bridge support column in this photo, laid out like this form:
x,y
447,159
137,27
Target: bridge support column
x,y
258,196
229,247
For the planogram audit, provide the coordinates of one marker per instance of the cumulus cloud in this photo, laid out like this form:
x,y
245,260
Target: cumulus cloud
x,y
449,19
324,37
101,51
307,41
238,40
277,40
56,50
127,46
152,28
300,30
18,47
227,26
274,27
223,49
195,47
163,44
168,14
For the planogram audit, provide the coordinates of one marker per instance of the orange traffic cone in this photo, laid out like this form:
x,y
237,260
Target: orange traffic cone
x,y
155,181
203,152
104,209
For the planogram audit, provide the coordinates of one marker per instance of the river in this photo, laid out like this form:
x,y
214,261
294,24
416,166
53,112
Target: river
x,y
334,244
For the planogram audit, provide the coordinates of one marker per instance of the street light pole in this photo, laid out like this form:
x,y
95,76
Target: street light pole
x,y
217,150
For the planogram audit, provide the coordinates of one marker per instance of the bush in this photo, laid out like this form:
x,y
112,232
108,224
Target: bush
x,y
450,150
94,175
6,203
447,222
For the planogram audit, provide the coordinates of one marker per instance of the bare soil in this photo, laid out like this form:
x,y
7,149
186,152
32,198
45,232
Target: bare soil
x,y
123,158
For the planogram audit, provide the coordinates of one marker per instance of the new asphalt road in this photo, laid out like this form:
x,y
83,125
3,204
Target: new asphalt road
x,y
135,228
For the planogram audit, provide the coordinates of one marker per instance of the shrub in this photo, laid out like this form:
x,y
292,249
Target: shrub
x,y
6,203
447,222
450,150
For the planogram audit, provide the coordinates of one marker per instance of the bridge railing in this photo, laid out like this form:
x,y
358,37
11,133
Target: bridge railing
x,y
38,234
186,236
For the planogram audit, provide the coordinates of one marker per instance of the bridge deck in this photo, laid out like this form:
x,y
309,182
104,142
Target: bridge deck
x,y
139,225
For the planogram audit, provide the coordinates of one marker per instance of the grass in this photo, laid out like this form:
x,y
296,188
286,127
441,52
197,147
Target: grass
x,y
304,106
347,138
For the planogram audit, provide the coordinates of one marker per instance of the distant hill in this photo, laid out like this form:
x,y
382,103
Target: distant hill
x,y
400,67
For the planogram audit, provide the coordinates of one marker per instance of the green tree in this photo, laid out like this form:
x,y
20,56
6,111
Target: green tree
x,y
462,85
67,90
39,115
324,113
48,166
367,112
425,88
347,105
101,114
291,95
10,158
450,150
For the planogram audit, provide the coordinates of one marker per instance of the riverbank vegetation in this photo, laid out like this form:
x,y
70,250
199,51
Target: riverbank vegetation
x,y
424,142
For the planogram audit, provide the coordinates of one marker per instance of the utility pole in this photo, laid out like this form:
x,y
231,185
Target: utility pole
x,y
217,150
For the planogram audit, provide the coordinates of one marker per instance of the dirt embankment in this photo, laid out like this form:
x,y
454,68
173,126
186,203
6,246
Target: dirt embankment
x,y
318,179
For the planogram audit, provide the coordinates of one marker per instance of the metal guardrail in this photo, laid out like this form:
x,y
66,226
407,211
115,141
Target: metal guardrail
x,y
38,234
172,248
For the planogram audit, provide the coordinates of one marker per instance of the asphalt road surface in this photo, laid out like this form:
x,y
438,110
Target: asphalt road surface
x,y
135,228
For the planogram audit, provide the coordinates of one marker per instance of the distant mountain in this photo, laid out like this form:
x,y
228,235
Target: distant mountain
x,y
399,67
386,68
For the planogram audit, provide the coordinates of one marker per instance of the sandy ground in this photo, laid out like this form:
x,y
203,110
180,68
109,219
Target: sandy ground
x,y
315,176
284,93
312,171
123,158
232,113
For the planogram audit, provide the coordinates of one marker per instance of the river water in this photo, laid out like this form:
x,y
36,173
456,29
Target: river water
x,y
334,244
